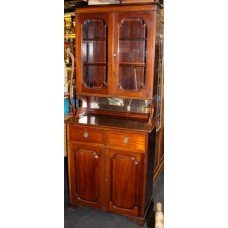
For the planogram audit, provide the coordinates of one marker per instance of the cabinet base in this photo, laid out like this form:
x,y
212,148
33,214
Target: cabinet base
x,y
149,213
139,220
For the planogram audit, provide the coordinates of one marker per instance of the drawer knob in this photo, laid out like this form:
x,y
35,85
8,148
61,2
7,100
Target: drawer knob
x,y
125,140
86,134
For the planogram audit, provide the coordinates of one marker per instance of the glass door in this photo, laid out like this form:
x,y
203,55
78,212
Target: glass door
x,y
93,54
133,63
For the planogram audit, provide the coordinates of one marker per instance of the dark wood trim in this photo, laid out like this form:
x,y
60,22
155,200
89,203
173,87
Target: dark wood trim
x,y
138,116
119,7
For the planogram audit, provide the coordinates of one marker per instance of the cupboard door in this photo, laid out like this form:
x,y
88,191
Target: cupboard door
x,y
133,41
124,178
92,40
85,174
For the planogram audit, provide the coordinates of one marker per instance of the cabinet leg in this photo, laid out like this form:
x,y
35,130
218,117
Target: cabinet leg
x,y
149,217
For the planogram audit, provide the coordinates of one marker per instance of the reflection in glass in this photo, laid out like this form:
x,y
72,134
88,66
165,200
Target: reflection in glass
x,y
94,51
131,78
94,76
132,54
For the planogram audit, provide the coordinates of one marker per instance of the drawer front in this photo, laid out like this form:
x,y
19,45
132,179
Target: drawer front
x,y
127,140
86,134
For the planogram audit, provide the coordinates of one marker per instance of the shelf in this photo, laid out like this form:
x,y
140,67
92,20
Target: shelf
x,y
94,64
132,39
94,39
127,64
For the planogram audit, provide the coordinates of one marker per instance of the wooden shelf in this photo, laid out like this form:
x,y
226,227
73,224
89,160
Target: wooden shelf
x,y
129,64
94,39
94,64
132,39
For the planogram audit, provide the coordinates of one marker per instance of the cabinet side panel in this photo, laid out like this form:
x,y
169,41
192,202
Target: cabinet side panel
x,y
156,59
150,167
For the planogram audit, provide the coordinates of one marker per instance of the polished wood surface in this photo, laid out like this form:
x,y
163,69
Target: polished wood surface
x,y
113,122
113,174
117,68
127,140
122,8
125,174
148,23
112,153
86,167
86,134
119,114
94,69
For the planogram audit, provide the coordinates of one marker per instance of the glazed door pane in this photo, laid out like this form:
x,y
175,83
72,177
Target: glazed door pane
x,y
92,39
132,53
94,49
131,78
133,46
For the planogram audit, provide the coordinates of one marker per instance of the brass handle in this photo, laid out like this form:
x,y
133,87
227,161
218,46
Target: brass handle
x,y
114,55
86,134
125,140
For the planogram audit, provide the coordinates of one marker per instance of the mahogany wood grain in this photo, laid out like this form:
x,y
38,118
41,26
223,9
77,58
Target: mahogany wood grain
x,y
86,134
80,85
111,154
109,175
120,8
86,170
112,16
157,31
148,20
112,122
127,140
124,175
122,114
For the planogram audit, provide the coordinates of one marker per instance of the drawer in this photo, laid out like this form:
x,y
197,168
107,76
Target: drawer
x,y
127,140
86,134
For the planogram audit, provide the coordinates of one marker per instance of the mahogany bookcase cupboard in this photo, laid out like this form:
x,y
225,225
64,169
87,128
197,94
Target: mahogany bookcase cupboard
x,y
112,153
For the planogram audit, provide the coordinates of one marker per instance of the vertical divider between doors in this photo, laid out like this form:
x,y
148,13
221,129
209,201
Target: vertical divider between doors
x,y
110,53
114,55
